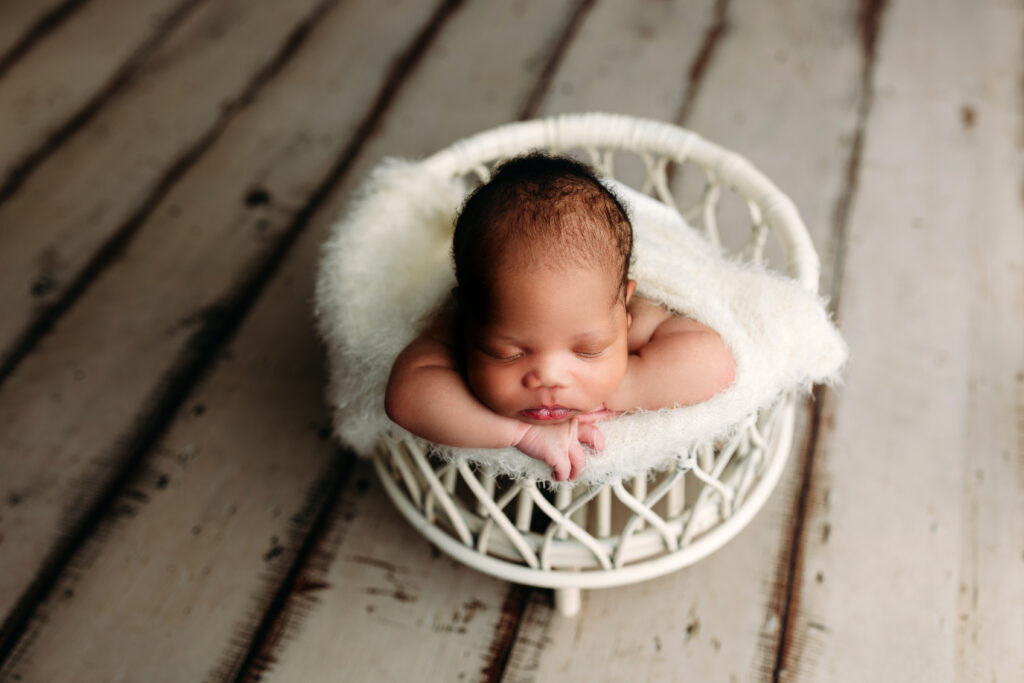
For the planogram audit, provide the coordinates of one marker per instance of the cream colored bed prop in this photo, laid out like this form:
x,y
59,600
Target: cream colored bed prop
x,y
671,486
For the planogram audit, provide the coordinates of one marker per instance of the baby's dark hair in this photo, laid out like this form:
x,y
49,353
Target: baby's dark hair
x,y
554,204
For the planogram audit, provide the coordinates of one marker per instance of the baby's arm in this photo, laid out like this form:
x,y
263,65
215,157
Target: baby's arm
x,y
427,395
673,361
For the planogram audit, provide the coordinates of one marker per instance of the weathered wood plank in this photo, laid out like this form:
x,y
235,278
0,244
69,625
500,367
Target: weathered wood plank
x,y
793,116
55,83
74,411
23,22
75,209
630,58
248,445
385,607
912,567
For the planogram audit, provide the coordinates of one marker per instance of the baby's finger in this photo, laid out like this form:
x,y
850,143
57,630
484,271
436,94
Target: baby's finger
x,y
577,459
592,436
561,467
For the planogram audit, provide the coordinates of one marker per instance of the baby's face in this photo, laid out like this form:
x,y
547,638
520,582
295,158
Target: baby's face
x,y
555,345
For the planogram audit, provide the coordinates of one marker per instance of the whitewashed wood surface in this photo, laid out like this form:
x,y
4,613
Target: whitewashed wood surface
x,y
171,507
916,537
65,78
25,22
105,178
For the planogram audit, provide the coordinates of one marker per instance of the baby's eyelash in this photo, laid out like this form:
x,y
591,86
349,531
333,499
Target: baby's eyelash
x,y
504,356
590,354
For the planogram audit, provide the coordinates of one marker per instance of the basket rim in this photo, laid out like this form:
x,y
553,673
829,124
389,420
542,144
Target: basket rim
x,y
650,137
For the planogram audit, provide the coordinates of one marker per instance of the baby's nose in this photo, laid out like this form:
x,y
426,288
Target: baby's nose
x,y
547,372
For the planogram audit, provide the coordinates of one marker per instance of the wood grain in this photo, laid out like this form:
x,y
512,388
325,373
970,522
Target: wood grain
x,y
912,567
76,210
152,318
57,84
26,22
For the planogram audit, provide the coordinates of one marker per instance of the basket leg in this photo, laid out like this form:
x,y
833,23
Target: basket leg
x,y
567,601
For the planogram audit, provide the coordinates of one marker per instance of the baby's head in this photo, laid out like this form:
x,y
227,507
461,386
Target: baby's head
x,y
542,256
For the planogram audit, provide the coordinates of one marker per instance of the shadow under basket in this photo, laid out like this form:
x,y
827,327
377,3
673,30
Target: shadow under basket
x,y
650,523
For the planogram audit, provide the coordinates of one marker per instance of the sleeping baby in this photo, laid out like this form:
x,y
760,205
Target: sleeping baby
x,y
543,336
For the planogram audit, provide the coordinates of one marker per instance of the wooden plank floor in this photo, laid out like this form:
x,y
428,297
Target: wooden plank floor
x,y
171,507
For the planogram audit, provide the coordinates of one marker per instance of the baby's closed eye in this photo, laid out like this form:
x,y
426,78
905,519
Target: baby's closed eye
x,y
500,354
592,346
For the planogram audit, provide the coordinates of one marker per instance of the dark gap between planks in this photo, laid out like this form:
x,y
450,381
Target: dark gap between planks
x,y
122,77
121,237
38,31
869,23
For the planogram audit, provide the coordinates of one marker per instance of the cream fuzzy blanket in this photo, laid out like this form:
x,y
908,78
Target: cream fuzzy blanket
x,y
387,267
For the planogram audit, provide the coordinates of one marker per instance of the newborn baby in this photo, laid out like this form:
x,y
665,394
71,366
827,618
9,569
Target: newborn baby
x,y
543,337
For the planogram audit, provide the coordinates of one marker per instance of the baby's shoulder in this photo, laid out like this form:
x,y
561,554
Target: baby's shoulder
x,y
643,307
442,324
648,317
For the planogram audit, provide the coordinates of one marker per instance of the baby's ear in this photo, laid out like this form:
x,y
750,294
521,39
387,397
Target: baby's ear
x,y
630,288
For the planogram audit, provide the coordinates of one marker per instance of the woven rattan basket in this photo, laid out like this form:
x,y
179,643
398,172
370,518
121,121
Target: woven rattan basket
x,y
648,524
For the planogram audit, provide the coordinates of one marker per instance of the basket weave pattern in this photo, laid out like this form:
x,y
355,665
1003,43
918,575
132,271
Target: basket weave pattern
x,y
631,529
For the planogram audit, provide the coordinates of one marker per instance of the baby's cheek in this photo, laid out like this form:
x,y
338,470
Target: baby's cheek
x,y
474,379
616,373
488,384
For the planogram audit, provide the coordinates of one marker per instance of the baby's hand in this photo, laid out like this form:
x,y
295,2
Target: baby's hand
x,y
558,445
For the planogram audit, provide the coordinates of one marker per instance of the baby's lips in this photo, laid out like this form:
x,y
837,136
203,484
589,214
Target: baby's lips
x,y
547,413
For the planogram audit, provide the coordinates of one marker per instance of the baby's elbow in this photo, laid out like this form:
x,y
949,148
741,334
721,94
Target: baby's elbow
x,y
728,374
396,402
725,373
719,366
391,407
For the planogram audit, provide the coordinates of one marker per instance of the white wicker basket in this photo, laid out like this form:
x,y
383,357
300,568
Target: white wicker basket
x,y
625,531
